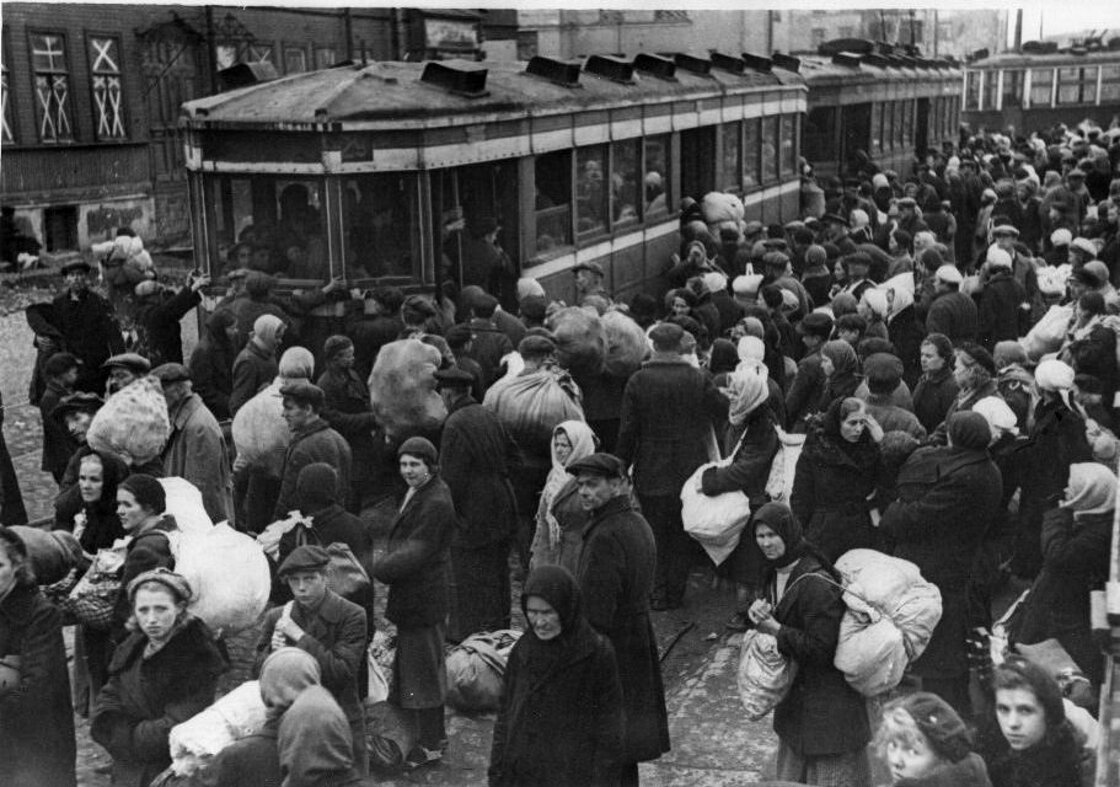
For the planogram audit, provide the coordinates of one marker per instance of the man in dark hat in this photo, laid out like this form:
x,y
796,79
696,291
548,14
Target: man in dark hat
x,y
808,384
668,407
159,311
589,276
196,449
483,259
347,409
909,218
374,326
77,321
477,457
313,440
490,344
616,577
327,626
125,369
61,372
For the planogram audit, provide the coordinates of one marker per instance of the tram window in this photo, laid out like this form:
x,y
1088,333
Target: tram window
x,y
902,120
752,148
769,149
280,219
1042,84
591,190
554,200
625,163
991,83
876,128
657,181
818,137
732,137
1012,88
789,144
972,90
381,223
1110,84
1077,85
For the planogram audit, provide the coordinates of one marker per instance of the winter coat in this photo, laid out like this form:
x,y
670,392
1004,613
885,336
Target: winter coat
x,y
572,518
948,498
197,451
146,697
58,444
821,715
933,397
955,315
252,761
476,457
157,320
335,634
831,487
331,525
146,551
85,326
1075,561
415,565
315,442
564,728
253,369
669,410
211,367
906,333
969,772
488,346
806,391
1003,310
369,336
347,407
754,445
36,717
616,570
1053,762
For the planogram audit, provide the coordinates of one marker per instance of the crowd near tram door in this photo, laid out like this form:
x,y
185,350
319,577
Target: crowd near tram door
x,y
857,130
467,202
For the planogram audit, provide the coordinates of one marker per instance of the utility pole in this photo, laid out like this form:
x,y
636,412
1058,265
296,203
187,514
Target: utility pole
x,y
1018,29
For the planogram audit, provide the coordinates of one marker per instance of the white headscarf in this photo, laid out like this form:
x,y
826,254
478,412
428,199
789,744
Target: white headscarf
x,y
903,299
1092,489
1055,376
747,388
583,445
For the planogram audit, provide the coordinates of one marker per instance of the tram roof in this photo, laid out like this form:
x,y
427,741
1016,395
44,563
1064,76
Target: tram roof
x,y
1056,59
820,70
393,91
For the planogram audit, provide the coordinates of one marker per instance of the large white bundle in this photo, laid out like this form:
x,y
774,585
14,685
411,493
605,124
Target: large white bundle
x,y
229,574
1052,280
184,503
779,484
402,387
1048,333
891,614
260,433
715,521
196,741
133,424
580,343
626,344
764,675
530,406
718,207
476,669
903,281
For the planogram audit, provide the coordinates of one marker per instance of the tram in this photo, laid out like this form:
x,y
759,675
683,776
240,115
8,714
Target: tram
x,y
872,97
367,171
1039,87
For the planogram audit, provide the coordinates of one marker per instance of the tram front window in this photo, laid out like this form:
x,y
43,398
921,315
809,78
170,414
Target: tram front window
x,y
554,200
273,224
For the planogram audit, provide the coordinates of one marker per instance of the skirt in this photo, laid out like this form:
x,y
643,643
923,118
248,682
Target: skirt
x,y
419,669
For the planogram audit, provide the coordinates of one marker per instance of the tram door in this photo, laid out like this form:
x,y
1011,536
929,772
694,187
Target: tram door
x,y
698,162
921,128
856,125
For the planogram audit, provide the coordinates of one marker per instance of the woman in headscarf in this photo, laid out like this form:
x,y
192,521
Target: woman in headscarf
x,y
822,723
751,443
974,371
752,355
211,362
560,516
937,388
1057,440
142,508
840,365
162,674
561,717
948,498
906,333
835,480
874,307
1076,538
416,569
36,717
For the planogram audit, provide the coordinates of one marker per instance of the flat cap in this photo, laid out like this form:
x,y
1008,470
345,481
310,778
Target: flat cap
x,y
815,324
420,305
171,373
454,377
304,392
600,464
882,366
305,558
666,335
907,202
132,361
752,228
1061,237
1075,173
589,265
75,265
237,273
858,258
950,274
1005,229
1085,246
78,402
1098,270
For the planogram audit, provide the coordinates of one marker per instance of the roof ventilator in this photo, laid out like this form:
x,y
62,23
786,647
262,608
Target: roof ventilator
x,y
692,64
556,71
786,62
847,59
660,67
728,63
470,83
610,68
763,65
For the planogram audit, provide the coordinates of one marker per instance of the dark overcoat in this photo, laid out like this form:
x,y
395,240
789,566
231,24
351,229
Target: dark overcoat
x,y
316,442
906,332
146,697
1003,310
955,315
36,717
616,571
253,369
934,395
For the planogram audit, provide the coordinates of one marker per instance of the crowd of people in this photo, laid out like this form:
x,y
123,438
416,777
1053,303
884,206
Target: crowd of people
x,y
946,342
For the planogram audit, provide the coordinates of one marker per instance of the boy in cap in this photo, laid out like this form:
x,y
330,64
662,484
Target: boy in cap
x,y
125,369
330,628
589,276
1004,310
313,440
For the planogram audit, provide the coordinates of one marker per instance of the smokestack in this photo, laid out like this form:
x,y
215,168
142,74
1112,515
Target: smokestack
x,y
1018,29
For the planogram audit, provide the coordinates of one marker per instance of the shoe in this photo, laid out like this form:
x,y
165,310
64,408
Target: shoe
x,y
421,757
738,622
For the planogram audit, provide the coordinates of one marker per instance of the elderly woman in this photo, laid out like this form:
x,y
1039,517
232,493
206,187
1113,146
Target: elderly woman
x,y
840,365
561,718
415,567
937,387
560,516
948,498
834,483
162,674
36,719
142,507
1075,561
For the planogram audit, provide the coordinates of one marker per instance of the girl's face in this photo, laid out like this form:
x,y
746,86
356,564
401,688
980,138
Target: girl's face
x,y
851,428
1021,718
414,470
771,544
838,271
931,361
827,366
131,513
156,611
543,617
680,307
910,758
91,479
563,447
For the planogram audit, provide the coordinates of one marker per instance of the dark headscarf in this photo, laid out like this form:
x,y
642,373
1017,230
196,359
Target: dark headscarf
x,y
864,453
725,357
103,526
969,430
557,586
779,518
147,490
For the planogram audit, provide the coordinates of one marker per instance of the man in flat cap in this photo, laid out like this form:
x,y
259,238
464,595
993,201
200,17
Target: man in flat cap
x,y
589,276
909,218
616,579
124,369
668,408
330,628
196,449
77,321
313,440
808,384
952,312
489,343
476,461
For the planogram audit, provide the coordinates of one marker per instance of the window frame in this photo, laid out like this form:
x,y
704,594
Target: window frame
x,y
122,111
1087,75
319,66
9,108
666,140
788,121
605,199
570,241
754,156
1108,81
67,106
769,178
734,129
617,225
286,48
1049,82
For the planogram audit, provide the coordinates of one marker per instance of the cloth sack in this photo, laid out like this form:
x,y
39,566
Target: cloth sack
x,y
345,575
626,344
715,521
260,433
402,388
133,425
390,735
52,553
531,406
1048,333
196,741
718,207
476,669
269,538
764,676
779,484
94,596
379,661
580,340
185,506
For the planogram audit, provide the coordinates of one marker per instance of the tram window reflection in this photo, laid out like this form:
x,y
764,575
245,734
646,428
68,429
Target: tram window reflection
x,y
554,200
1042,85
591,190
1110,84
877,128
769,149
1012,88
381,225
625,165
751,149
789,144
657,181
732,139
